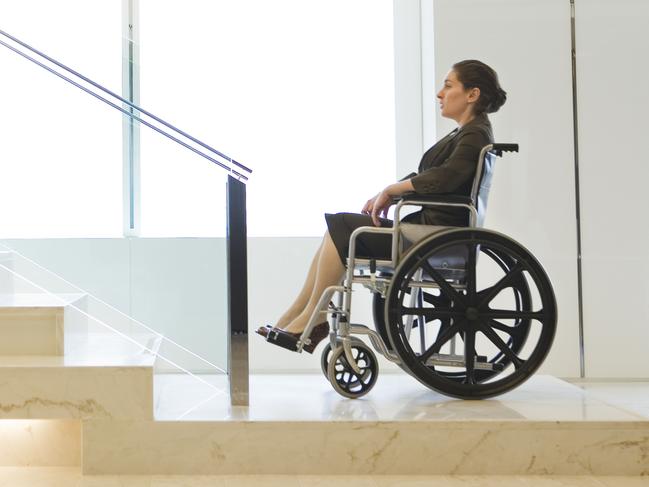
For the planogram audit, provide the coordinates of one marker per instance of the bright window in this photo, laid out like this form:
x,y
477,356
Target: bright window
x,y
61,152
302,91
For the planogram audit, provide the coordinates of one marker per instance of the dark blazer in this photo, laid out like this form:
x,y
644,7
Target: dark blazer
x,y
449,167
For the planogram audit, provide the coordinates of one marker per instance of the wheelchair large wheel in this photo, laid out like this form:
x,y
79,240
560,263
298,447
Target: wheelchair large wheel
x,y
520,299
498,308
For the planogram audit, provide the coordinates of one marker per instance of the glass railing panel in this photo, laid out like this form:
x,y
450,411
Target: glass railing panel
x,y
96,333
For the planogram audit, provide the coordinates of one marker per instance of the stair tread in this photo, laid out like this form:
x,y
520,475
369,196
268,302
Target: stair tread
x,y
42,361
100,350
38,300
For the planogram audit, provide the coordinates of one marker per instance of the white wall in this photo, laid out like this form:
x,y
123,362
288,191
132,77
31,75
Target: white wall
x,y
612,42
533,195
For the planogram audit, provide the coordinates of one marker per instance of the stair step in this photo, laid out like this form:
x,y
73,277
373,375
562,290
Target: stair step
x,y
107,377
33,324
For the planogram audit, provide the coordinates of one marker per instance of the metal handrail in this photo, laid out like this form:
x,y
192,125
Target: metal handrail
x,y
127,102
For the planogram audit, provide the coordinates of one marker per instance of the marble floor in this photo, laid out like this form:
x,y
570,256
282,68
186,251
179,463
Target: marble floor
x,y
630,396
397,397
70,477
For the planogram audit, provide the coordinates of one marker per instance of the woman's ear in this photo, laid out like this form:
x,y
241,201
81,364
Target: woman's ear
x,y
474,95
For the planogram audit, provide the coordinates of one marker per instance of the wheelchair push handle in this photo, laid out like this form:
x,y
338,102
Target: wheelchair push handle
x,y
498,149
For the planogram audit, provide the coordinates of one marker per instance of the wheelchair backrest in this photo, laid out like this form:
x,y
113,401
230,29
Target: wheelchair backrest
x,y
482,178
482,183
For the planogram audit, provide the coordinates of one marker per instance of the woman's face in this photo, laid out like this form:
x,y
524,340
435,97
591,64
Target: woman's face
x,y
455,102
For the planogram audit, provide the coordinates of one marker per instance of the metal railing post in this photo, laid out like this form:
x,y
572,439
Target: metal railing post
x,y
237,292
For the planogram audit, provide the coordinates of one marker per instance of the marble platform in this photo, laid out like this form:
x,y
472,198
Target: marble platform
x,y
299,425
71,477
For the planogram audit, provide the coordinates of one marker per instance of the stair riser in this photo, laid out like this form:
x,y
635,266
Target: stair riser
x,y
76,392
31,331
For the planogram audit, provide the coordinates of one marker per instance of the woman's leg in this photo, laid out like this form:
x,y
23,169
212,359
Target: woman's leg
x,y
329,272
303,298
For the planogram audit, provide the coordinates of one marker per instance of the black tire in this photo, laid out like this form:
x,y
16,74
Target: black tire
x,y
530,305
344,379
325,357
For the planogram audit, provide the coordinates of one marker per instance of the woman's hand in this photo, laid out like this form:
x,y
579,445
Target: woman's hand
x,y
381,203
367,209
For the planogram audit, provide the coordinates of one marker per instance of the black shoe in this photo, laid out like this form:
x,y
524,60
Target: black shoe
x,y
288,340
263,330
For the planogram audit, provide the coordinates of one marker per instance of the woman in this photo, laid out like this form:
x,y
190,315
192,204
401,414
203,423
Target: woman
x,y
471,90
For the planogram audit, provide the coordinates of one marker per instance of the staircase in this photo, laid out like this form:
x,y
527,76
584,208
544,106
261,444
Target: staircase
x,y
67,359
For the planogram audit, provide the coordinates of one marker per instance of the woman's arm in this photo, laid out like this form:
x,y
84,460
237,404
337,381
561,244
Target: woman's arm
x,y
380,204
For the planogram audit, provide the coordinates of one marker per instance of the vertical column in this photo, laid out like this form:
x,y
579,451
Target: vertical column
x,y
408,84
237,256
131,127
582,363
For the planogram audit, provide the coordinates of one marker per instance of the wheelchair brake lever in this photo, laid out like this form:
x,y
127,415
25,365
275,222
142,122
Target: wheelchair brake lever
x,y
373,271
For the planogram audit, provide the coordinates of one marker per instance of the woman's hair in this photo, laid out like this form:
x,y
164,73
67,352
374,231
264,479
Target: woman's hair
x,y
476,74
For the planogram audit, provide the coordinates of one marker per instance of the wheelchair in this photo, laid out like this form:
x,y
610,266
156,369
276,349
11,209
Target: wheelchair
x,y
468,312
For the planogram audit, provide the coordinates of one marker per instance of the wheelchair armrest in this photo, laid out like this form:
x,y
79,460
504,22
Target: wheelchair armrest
x,y
435,199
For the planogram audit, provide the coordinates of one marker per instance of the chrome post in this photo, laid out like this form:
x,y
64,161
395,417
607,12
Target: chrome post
x,y
237,257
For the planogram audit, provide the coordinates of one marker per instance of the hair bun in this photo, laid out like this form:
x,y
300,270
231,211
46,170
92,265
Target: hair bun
x,y
499,100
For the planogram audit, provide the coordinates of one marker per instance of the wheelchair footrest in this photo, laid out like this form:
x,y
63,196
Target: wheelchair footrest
x,y
281,340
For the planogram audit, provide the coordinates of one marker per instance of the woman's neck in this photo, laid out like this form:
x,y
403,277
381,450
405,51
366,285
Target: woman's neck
x,y
465,118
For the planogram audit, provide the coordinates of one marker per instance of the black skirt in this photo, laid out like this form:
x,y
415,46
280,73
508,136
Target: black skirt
x,y
368,245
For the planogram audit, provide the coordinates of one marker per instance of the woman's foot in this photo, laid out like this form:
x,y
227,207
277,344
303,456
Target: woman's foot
x,y
287,339
263,330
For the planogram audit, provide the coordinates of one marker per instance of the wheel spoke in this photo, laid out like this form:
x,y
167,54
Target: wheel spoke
x,y
510,330
443,284
489,293
469,355
442,338
470,273
435,300
502,346
503,314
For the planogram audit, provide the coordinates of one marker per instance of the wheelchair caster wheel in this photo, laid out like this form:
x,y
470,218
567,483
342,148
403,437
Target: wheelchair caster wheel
x,y
326,356
344,379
